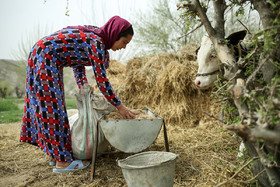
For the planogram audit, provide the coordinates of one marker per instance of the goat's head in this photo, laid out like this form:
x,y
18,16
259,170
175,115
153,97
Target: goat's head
x,y
208,61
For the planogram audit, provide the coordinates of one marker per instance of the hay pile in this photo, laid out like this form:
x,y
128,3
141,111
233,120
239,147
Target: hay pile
x,y
164,83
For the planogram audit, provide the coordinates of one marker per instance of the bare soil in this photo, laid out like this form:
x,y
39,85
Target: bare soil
x,y
207,157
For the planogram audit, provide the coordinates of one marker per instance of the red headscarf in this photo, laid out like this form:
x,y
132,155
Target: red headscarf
x,y
109,32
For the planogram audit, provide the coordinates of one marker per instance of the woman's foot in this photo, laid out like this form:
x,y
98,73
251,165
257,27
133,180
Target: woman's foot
x,y
52,162
62,167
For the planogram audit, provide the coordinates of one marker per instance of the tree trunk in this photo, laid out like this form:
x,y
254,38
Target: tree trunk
x,y
257,166
261,137
267,15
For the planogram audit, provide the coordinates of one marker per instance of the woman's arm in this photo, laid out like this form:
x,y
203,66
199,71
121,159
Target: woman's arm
x,y
102,81
106,88
80,75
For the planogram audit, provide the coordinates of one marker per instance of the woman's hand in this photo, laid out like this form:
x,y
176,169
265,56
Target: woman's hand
x,y
125,112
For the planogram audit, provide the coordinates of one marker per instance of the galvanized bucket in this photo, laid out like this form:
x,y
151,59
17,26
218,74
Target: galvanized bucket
x,y
132,135
149,169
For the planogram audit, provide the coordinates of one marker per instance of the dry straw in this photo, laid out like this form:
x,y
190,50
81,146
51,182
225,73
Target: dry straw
x,y
164,83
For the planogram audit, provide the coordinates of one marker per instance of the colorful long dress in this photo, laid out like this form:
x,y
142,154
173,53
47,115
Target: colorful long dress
x,y
45,121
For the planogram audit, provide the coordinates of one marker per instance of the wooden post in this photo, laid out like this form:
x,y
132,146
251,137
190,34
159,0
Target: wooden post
x,y
94,153
165,137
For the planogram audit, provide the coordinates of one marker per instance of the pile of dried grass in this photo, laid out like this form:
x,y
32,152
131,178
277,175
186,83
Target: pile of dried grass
x,y
164,83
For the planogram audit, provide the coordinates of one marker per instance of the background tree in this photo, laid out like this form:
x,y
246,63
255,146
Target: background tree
x,y
21,54
164,29
5,89
255,96
28,40
159,30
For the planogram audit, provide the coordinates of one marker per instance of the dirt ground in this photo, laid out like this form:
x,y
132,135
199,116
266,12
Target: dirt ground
x,y
163,83
207,157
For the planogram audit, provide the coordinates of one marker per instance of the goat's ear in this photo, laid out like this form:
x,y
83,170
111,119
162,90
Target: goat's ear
x,y
196,51
234,38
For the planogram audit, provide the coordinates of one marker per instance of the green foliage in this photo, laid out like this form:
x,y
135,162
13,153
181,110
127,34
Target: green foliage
x,y
10,117
221,129
272,113
191,18
254,181
159,29
67,8
7,105
5,89
271,156
260,94
241,6
231,114
19,91
71,104
11,109
270,40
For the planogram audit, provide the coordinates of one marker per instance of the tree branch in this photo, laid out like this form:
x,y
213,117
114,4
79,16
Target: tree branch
x,y
228,82
238,92
212,116
271,173
189,6
256,176
242,61
204,19
219,22
236,173
190,32
254,133
244,26
265,30
253,75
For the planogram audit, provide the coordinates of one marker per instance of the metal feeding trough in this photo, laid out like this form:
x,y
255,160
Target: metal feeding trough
x,y
132,135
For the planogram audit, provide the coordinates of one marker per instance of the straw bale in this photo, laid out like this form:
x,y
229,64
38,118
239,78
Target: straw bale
x,y
159,61
188,51
116,74
164,83
136,63
116,68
